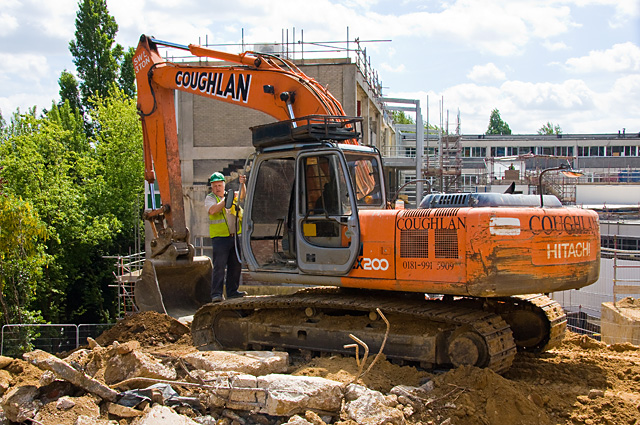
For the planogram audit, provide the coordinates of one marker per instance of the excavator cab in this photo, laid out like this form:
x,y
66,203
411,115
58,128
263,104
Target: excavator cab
x,y
304,192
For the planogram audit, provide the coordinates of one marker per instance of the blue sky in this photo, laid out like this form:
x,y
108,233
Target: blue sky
x,y
575,63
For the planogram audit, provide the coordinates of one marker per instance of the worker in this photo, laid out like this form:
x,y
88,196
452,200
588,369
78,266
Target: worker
x,y
224,226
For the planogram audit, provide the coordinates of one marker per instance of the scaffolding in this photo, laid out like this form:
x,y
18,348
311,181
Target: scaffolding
x,y
128,271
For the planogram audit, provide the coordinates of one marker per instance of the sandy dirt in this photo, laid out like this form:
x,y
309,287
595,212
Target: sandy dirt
x,y
583,381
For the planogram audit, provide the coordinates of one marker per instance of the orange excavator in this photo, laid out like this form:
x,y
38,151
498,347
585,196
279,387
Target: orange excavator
x,y
457,281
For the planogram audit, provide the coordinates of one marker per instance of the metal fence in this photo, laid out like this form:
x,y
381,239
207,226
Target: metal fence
x,y
619,275
52,338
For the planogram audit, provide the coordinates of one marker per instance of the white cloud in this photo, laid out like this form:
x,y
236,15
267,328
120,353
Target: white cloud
x,y
8,23
486,73
496,27
554,46
399,68
24,101
54,17
623,57
23,65
526,106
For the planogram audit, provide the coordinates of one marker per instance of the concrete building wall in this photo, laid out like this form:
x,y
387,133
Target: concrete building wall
x,y
621,194
213,134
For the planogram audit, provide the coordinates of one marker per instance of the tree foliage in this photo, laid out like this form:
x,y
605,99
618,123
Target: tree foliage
x,y
69,91
549,128
399,117
497,125
85,192
94,54
68,197
127,78
22,258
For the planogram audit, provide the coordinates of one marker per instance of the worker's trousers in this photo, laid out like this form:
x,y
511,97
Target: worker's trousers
x,y
224,257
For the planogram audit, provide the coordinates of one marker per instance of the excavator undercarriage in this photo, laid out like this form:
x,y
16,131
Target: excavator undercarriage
x,y
430,333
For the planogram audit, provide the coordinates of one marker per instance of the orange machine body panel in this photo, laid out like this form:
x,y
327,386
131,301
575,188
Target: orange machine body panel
x,y
487,252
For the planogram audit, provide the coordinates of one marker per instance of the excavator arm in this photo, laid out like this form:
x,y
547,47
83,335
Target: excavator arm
x,y
173,280
262,82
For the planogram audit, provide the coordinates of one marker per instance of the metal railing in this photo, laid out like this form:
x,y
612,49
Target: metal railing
x,y
624,285
52,338
584,324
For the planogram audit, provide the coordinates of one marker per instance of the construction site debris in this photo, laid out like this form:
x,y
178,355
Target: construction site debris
x,y
64,370
583,381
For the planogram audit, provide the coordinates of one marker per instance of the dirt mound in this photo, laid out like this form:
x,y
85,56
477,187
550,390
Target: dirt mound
x,y
469,395
382,377
629,302
148,328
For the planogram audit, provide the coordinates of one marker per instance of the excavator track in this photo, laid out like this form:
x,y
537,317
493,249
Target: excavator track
x,y
432,333
538,322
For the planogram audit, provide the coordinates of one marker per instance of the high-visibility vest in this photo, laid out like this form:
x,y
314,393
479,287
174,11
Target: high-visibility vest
x,y
218,224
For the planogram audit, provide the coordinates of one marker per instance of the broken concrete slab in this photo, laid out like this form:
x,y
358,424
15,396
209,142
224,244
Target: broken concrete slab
x,y
64,370
297,420
123,411
288,395
5,381
255,363
162,415
20,403
5,361
372,407
65,403
124,364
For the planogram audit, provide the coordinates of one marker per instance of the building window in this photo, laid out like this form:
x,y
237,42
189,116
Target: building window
x,y
615,150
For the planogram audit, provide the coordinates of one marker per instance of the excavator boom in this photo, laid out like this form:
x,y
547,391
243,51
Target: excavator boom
x,y
173,280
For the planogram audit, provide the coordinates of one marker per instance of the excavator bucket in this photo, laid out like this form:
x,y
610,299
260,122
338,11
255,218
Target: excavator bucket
x,y
176,288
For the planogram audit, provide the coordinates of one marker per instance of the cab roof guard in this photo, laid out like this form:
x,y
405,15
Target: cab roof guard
x,y
304,129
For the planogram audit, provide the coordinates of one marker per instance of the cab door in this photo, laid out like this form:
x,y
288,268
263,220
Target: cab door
x,y
327,227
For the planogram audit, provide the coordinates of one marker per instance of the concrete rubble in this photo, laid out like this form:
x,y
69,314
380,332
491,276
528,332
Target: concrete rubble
x,y
236,388
250,362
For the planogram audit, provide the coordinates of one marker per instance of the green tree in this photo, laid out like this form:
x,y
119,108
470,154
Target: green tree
x,y
88,194
496,125
549,128
127,78
22,256
399,117
69,91
94,55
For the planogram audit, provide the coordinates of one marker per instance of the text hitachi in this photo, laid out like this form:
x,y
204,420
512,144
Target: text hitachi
x,y
568,250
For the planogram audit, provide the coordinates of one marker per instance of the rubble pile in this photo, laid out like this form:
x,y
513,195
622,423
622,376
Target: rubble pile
x,y
144,371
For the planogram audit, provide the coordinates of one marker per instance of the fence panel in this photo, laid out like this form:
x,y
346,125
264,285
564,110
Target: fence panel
x,y
52,338
91,331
